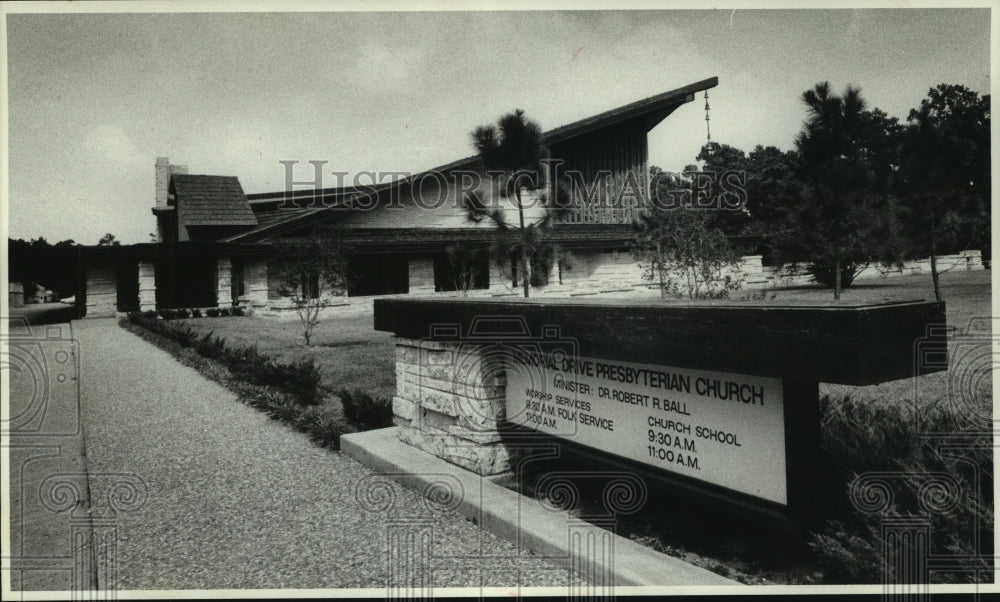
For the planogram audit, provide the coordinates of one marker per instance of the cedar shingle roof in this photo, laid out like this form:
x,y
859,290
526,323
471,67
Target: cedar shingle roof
x,y
211,201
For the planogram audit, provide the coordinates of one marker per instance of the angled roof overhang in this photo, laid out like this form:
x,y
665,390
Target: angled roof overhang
x,y
648,112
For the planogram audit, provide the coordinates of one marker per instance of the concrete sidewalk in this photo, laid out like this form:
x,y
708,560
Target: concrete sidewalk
x,y
201,491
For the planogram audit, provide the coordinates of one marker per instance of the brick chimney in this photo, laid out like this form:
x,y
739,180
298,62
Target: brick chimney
x,y
165,224
163,172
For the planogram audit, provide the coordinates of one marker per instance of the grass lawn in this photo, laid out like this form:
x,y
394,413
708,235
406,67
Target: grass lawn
x,y
348,351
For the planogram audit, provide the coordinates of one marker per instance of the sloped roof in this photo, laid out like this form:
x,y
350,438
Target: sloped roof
x,y
211,201
271,221
641,108
651,109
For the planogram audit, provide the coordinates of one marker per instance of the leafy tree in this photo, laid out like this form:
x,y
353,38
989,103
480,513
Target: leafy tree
x,y
682,248
464,265
38,261
944,175
771,191
727,170
109,240
842,219
309,270
513,150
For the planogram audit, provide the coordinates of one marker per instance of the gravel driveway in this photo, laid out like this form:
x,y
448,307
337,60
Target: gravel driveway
x,y
236,500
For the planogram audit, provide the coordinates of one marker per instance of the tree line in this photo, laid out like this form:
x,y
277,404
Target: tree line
x,y
859,187
53,266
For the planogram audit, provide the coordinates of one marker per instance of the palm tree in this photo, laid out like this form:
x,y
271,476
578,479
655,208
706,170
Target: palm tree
x,y
514,150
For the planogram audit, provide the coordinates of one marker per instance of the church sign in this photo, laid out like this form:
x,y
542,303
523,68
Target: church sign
x,y
726,429
716,398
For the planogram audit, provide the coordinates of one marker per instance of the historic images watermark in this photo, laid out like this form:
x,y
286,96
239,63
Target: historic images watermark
x,y
956,424
418,561
64,519
568,189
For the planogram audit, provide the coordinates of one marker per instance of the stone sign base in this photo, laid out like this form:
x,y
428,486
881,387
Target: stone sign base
x,y
449,400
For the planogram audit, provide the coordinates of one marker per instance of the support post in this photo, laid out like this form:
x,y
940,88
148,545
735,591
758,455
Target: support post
x,y
147,286
421,276
223,278
802,454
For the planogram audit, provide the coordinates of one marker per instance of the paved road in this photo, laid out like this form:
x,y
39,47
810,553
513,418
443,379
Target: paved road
x,y
201,491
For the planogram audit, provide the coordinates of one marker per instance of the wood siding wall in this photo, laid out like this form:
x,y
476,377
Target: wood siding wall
x,y
620,151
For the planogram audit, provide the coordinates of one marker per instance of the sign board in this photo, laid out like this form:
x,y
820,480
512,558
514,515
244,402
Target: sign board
x,y
721,428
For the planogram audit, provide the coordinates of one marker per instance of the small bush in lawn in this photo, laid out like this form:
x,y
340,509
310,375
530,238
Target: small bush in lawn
x,y
281,407
224,311
183,313
210,347
168,314
322,427
149,314
245,362
364,411
212,312
238,311
196,313
301,379
185,336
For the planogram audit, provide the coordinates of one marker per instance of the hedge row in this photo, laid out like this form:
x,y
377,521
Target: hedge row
x,y
180,314
301,379
317,422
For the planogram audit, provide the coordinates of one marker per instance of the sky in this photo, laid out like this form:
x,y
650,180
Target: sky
x,y
93,99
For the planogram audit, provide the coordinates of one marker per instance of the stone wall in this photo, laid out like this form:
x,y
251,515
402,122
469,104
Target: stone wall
x,y
102,290
588,273
449,399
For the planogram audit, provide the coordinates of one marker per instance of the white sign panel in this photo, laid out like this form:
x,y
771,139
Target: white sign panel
x,y
725,429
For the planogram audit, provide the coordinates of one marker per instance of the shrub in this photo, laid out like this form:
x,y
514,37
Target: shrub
x,y
237,311
168,314
322,427
364,411
890,439
212,312
287,392
150,314
300,379
224,311
196,313
210,347
825,274
281,407
183,313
